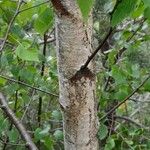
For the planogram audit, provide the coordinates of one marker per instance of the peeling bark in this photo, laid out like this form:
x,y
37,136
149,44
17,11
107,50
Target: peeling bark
x,y
77,85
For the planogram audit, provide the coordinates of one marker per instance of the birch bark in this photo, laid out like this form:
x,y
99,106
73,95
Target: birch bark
x,y
77,86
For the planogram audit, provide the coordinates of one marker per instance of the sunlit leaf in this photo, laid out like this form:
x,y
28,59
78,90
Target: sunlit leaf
x,y
25,52
58,134
123,10
110,144
146,3
103,131
147,13
44,21
85,7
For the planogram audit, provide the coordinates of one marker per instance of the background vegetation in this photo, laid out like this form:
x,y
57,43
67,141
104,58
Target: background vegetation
x,y
29,79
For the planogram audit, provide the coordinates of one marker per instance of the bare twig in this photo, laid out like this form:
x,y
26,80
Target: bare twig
x,y
33,7
133,113
23,132
27,107
40,104
131,120
10,143
48,41
127,98
10,24
28,85
97,49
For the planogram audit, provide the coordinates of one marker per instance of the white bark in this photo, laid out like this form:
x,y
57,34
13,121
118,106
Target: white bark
x,y
77,88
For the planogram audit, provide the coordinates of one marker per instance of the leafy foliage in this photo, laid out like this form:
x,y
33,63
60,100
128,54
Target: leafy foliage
x,y
123,9
23,59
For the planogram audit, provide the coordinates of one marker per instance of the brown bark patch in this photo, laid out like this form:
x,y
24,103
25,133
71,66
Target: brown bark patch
x,y
60,8
82,73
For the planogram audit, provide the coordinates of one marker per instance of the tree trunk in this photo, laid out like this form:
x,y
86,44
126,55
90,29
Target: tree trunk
x,y
77,86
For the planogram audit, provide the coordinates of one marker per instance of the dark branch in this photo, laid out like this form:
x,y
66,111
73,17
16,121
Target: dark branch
x,y
23,132
131,120
97,49
127,98
33,7
27,85
42,74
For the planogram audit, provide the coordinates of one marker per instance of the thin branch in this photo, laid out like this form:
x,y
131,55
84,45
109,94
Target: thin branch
x,y
33,7
40,104
124,140
140,101
27,107
103,42
10,143
28,85
131,120
42,74
133,113
10,24
127,98
11,125
23,132
48,41
97,49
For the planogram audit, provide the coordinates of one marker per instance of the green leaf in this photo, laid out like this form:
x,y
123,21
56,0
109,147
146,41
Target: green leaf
x,y
37,136
3,124
147,13
27,74
58,134
135,71
2,81
121,94
103,131
118,74
147,86
44,21
48,142
139,11
146,3
13,135
45,131
40,134
111,57
85,7
130,142
24,52
110,144
123,10
56,115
